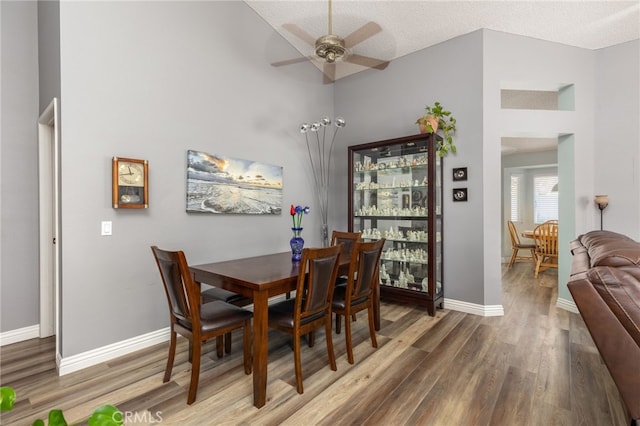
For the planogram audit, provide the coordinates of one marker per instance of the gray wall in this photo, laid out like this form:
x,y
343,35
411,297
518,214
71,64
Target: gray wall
x,y
49,50
174,76
382,105
19,291
178,76
617,118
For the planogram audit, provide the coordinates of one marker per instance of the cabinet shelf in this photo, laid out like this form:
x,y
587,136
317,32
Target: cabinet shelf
x,y
395,192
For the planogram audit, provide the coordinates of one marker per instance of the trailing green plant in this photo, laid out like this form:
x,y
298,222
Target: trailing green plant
x,y
446,125
105,415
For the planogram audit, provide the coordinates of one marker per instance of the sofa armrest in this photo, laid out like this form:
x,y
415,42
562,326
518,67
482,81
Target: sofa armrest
x,y
619,351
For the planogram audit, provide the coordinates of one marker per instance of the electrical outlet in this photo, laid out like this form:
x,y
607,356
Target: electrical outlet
x,y
106,228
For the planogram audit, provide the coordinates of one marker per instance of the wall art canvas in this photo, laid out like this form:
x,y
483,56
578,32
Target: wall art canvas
x,y
225,185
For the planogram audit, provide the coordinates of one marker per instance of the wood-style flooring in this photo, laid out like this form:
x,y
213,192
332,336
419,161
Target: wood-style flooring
x,y
536,365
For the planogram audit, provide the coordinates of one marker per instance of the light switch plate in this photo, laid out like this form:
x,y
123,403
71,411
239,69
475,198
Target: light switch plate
x,y
106,228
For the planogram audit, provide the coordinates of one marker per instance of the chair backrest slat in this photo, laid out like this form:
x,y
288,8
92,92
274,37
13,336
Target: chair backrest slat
x,y
347,239
513,233
546,238
364,269
182,293
314,290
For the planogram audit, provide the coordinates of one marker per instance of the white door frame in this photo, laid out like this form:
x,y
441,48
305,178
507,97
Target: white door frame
x,y
49,216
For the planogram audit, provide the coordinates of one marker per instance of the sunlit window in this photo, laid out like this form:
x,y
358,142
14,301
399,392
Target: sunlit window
x,y
516,181
545,198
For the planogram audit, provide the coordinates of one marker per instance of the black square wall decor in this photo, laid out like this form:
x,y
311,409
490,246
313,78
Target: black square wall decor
x,y
459,194
460,174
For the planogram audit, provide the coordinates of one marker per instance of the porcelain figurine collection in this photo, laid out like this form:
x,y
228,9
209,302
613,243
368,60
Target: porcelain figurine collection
x,y
398,162
405,280
405,183
391,211
391,234
406,255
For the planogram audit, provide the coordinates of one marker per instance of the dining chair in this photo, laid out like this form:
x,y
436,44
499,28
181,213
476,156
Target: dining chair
x,y
311,306
357,295
516,246
216,293
195,321
545,237
347,239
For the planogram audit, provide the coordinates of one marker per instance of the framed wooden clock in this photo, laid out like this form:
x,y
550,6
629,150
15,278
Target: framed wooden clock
x,y
130,186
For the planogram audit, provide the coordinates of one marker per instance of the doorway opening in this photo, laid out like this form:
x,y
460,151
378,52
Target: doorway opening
x,y
49,221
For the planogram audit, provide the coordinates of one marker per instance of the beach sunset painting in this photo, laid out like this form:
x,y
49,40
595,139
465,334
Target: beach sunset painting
x,y
225,185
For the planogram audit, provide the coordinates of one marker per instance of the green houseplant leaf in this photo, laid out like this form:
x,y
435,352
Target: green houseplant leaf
x,y
7,398
106,415
446,127
56,418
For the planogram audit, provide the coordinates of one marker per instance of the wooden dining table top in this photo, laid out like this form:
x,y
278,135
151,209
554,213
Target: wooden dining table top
x,y
263,273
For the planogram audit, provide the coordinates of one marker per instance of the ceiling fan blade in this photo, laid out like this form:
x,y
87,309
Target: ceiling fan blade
x,y
329,71
361,34
367,61
300,33
290,61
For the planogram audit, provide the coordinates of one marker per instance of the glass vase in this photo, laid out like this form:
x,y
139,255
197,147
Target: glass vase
x,y
297,244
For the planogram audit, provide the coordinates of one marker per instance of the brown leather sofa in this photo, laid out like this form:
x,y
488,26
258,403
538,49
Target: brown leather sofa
x,y
605,285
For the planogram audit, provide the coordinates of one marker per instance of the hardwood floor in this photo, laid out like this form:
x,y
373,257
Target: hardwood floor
x,y
536,365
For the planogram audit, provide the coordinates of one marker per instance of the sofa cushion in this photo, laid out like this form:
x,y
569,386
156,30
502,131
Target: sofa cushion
x,y
621,292
608,248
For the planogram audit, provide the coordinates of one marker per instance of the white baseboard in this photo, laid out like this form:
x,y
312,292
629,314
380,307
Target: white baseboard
x,y
472,308
77,362
567,305
19,335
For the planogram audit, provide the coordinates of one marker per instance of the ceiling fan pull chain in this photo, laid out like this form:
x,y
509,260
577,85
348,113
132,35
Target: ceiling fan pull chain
x,y
330,26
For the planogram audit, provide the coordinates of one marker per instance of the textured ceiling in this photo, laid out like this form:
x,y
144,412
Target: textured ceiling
x,y
409,26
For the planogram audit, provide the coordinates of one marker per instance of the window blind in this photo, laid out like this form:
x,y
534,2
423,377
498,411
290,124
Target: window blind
x,y
545,201
515,198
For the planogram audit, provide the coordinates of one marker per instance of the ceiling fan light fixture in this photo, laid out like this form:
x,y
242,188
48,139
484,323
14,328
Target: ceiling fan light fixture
x,y
330,47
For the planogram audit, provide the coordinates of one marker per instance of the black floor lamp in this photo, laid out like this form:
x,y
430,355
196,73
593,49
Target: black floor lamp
x,y
602,201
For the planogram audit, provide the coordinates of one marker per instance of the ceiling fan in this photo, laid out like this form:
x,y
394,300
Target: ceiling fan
x,y
331,48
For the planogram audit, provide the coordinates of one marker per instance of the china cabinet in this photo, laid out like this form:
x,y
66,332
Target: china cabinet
x,y
395,192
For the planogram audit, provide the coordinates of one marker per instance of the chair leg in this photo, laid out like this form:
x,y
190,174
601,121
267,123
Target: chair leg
x,y
514,254
170,359
338,323
298,363
332,355
227,343
347,337
539,261
311,337
219,345
246,346
195,371
372,328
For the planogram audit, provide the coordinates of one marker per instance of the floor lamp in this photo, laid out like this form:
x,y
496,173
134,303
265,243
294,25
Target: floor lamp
x,y
602,201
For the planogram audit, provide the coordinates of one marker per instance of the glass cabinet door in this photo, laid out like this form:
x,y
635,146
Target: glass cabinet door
x,y
396,194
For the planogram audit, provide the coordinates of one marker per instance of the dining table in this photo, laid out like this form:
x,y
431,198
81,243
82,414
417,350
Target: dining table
x,y
528,233
262,277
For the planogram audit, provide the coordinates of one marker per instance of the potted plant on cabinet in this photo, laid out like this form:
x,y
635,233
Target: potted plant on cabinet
x,y
435,119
